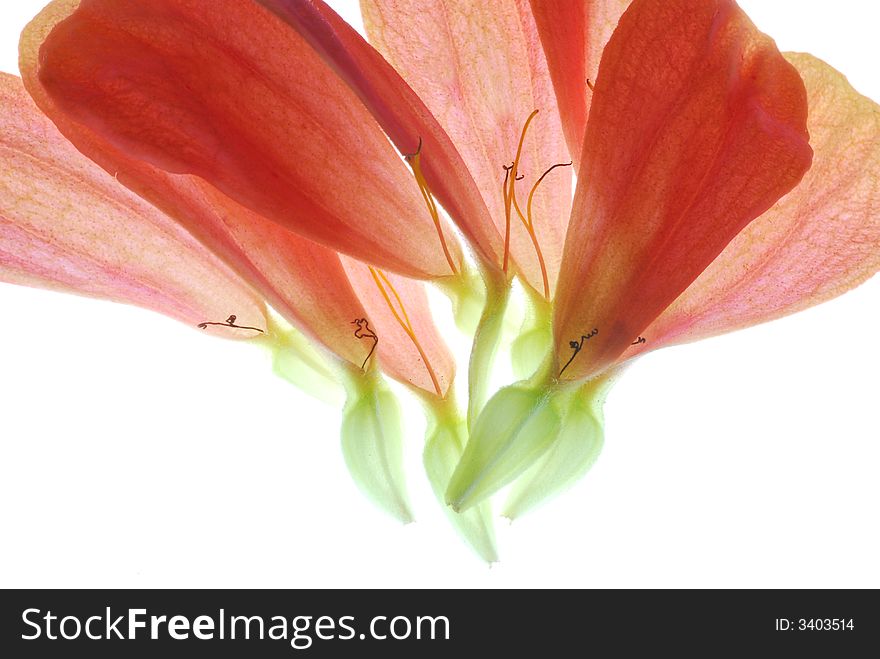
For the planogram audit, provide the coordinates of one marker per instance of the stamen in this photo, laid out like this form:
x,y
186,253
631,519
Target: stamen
x,y
510,179
384,285
230,322
590,85
414,160
530,225
505,191
577,347
364,331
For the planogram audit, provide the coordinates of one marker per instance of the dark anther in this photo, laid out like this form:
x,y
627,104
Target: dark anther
x,y
639,340
407,156
507,169
577,346
230,322
364,331
550,169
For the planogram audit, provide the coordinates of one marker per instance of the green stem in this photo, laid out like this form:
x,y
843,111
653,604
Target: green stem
x,y
467,294
486,340
535,339
297,360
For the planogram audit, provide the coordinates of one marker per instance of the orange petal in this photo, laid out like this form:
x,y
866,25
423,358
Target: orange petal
x,y
225,91
574,35
820,240
67,225
480,69
420,358
400,112
698,125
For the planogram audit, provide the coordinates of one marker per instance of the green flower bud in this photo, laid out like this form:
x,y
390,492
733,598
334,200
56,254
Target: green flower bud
x,y
517,425
372,443
443,450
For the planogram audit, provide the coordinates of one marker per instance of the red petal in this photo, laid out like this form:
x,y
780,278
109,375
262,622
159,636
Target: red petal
x,y
698,125
480,69
224,91
574,35
400,112
819,241
67,225
303,281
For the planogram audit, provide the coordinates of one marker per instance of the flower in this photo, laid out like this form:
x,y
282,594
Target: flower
x,y
676,232
629,249
361,314
68,225
708,165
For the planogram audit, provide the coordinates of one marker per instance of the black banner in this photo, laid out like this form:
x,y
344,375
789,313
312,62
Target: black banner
x,y
441,623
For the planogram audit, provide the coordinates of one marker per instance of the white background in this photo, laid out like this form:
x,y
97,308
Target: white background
x,y
135,451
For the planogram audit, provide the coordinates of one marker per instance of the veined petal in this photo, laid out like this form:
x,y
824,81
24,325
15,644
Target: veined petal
x,y
328,295
410,348
820,240
401,113
574,35
223,90
66,224
300,279
303,280
698,125
480,69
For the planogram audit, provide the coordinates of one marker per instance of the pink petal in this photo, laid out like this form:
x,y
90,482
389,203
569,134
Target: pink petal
x,y
224,91
428,365
480,69
67,225
304,281
698,125
820,240
574,35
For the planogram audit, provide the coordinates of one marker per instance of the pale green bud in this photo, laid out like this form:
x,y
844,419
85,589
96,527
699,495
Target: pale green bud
x,y
517,425
372,443
443,450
